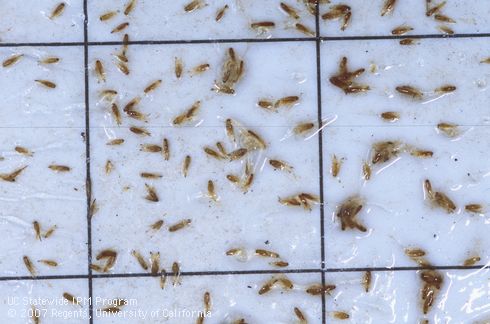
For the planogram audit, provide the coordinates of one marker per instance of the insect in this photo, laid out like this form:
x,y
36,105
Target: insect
x,y
108,15
152,148
152,86
302,199
211,191
221,13
207,301
201,68
230,130
262,25
179,67
123,67
432,284
155,262
253,141
348,211
299,314
410,91
319,289
289,10
407,41
486,60
139,131
339,11
336,165
188,115
176,272
12,60
163,278
401,30
446,88
99,70
94,208
50,60
179,225
237,154
151,194
22,150
439,199
384,151
150,175
268,285
140,259
132,104
232,72
58,10
344,79
303,128
471,261
186,165
266,104
388,7
37,230
49,263
212,153
116,114
366,280
286,101
50,231
35,315
417,255
266,253
279,264
59,168
474,208
108,94
29,265
166,149
340,315
445,29
193,5
120,27
444,18
366,171
72,299
390,116
303,29
422,153
437,8
116,141
46,84
129,7
157,225
281,165
12,176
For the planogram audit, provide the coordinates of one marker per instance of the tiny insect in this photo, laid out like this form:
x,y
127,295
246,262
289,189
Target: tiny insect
x,y
163,278
281,165
108,15
221,13
186,165
193,5
35,315
212,153
340,315
201,68
247,183
303,29
422,153
439,199
139,131
388,7
486,60
266,253
120,27
407,41
94,208
123,67
188,115
166,149
446,89
12,60
319,289
70,298
289,10
157,225
179,225
235,251
132,104
179,67
437,8
253,141
99,70
29,265
232,178
12,177
384,151
401,30
23,151
140,259
267,286
50,231
337,12
286,101
445,29
49,263
108,94
151,148
50,60
46,83
474,208
37,230
410,91
415,252
59,168
129,7
116,141
390,116
211,191
344,79
366,280
471,261
444,18
135,114
432,284
207,301
230,130
58,10
150,175
303,128
279,264
348,211
299,314
366,171
151,194
116,114
266,104
336,165
221,149
176,272
237,154
111,309
155,262
262,25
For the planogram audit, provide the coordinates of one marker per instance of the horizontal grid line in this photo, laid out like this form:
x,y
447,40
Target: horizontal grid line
x,y
245,272
246,40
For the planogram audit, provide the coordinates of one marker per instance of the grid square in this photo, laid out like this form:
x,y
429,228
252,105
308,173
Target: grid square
x,y
395,212
146,22
367,20
40,194
30,21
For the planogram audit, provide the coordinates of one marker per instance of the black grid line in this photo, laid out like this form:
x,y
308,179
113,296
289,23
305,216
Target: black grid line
x,y
246,40
88,180
245,272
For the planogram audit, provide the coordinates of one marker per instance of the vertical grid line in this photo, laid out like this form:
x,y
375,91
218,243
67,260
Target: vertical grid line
x,y
88,180
320,151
